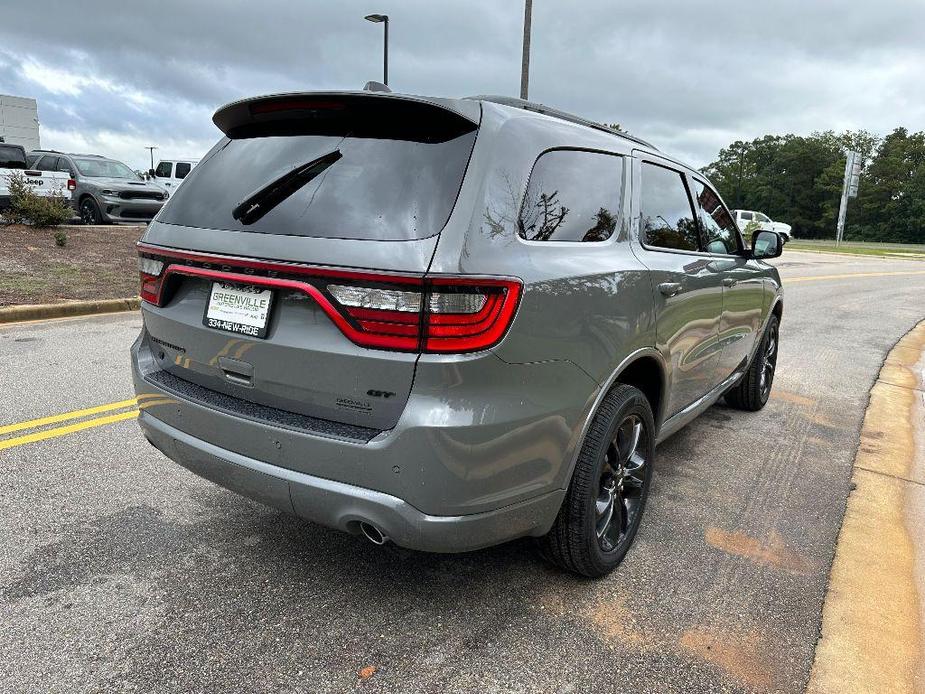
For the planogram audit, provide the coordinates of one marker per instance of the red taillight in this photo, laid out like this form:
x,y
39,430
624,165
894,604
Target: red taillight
x,y
71,184
396,312
457,324
151,270
445,314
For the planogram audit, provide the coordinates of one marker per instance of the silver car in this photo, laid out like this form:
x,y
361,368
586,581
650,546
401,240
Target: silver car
x,y
445,323
106,190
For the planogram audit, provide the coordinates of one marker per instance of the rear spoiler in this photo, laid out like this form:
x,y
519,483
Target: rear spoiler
x,y
362,114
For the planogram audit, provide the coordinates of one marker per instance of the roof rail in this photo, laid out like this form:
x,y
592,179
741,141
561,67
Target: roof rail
x,y
49,151
561,115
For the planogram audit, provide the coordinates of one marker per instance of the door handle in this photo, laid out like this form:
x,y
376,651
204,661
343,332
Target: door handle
x,y
730,282
669,288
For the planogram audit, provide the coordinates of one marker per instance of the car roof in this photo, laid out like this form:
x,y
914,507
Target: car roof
x,y
535,107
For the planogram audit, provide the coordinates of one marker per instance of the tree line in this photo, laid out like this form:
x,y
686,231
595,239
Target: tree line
x,y
798,180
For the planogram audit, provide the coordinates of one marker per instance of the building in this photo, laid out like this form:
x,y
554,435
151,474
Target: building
x,y
19,121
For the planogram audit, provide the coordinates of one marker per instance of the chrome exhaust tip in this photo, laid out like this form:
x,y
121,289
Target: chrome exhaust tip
x,y
373,534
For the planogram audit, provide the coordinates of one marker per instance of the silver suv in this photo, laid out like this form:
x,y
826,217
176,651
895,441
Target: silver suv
x,y
106,190
445,323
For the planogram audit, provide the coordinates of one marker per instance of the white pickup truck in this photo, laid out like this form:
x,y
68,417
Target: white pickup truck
x,y
171,172
43,183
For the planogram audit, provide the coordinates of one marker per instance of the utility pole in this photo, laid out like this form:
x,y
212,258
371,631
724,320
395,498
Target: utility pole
x,y
849,189
525,60
151,151
739,180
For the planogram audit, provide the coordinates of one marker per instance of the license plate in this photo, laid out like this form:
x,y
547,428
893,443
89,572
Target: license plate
x,y
238,308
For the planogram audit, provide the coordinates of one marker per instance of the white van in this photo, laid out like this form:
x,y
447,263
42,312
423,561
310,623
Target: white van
x,y
171,172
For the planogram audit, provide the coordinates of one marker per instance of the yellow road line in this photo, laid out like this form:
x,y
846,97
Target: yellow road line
x,y
813,278
68,429
76,414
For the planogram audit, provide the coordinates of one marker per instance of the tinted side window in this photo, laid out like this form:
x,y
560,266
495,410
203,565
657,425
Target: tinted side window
x,y
667,220
572,196
182,169
163,169
721,231
747,216
47,163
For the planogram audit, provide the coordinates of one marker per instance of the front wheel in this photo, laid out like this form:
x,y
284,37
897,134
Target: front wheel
x,y
751,393
607,495
90,212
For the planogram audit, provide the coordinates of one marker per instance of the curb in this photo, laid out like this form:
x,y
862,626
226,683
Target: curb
x,y
28,312
874,585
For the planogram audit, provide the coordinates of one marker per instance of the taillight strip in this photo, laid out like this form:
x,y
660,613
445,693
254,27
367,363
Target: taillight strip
x,y
383,329
371,340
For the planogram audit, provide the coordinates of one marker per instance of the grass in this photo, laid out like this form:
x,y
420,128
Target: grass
x,y
908,251
96,263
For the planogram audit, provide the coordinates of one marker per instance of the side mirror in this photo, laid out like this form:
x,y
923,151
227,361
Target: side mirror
x,y
151,173
766,245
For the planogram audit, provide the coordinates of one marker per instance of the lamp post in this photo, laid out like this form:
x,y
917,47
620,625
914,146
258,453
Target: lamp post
x,y
151,149
384,19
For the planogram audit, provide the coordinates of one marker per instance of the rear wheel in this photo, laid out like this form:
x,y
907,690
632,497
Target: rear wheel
x,y
752,391
90,212
607,494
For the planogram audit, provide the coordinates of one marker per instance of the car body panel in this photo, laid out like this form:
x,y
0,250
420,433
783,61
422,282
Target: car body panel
x,y
466,434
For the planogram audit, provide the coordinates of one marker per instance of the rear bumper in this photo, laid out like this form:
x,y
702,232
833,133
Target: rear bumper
x,y
481,453
344,506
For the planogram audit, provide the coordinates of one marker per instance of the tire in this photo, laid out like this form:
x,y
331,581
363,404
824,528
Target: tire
x,y
90,212
614,470
752,391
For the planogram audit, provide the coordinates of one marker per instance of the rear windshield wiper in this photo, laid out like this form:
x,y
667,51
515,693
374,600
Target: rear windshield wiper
x,y
261,201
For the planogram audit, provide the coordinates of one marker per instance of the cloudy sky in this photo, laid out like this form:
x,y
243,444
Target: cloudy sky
x,y
691,76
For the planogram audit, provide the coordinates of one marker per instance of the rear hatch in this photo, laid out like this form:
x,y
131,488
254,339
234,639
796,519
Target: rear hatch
x,y
288,270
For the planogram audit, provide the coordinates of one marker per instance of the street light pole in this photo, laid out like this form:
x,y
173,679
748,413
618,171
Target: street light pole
x,y
384,19
525,60
151,151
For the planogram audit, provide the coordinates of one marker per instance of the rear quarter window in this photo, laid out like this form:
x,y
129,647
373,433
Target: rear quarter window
x,y
377,188
572,195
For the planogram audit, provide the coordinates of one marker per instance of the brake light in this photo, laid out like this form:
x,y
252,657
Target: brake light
x,y
382,311
150,269
296,105
444,314
71,184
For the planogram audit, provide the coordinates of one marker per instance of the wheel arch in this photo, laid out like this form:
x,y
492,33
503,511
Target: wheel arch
x,y
644,369
778,309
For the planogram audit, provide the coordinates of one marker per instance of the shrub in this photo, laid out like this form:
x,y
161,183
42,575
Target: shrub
x,y
27,207
60,238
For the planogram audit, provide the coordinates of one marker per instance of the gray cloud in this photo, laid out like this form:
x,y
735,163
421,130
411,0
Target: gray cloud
x,y
688,75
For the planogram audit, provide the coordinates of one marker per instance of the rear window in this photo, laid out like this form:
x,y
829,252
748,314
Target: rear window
x,y
332,186
12,157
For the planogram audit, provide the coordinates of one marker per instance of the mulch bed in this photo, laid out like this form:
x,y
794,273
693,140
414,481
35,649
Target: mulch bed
x,y
97,262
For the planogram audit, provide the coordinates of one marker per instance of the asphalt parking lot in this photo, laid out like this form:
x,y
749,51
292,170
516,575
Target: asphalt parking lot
x,y
120,571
